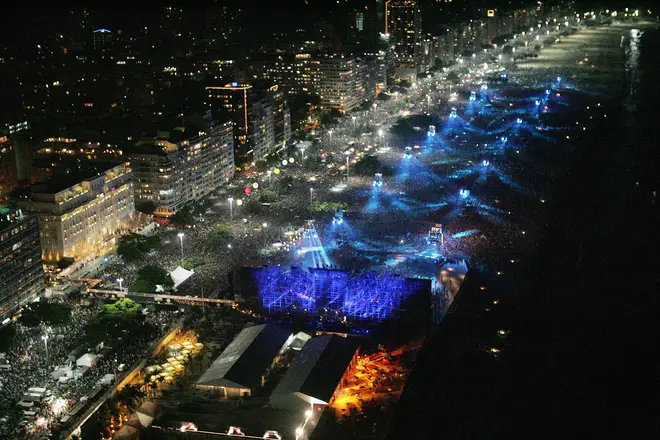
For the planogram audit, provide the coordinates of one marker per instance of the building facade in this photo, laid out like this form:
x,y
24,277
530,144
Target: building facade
x,y
261,119
403,22
21,270
344,83
182,165
82,217
8,169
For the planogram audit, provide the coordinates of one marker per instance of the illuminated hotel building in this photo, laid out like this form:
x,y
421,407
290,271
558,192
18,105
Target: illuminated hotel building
x,y
82,217
21,270
403,22
182,165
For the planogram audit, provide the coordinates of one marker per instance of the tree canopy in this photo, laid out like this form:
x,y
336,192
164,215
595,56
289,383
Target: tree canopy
x,y
147,207
50,313
267,196
452,77
124,308
220,233
252,207
133,246
328,206
149,277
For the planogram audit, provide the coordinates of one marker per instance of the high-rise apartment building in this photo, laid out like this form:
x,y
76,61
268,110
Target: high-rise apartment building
x,y
403,21
21,270
102,39
261,119
344,83
82,216
182,165
492,26
8,169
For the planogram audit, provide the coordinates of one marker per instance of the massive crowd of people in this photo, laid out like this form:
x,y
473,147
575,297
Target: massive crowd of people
x,y
32,362
501,217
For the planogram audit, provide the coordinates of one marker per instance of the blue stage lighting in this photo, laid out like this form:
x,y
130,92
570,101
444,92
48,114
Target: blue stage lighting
x,y
363,296
453,113
338,219
378,180
408,154
537,102
473,96
519,121
485,163
464,193
431,131
547,91
558,78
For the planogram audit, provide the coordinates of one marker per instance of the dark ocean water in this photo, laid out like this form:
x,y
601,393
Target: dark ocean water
x,y
582,359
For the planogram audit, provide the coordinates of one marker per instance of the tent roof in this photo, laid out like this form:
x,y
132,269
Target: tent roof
x,y
246,359
126,432
319,367
149,408
180,275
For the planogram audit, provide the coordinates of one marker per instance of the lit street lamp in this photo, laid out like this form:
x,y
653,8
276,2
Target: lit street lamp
x,y
45,339
120,280
231,207
180,235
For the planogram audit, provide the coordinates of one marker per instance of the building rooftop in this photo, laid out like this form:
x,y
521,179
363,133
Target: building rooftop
x,y
85,171
246,359
319,367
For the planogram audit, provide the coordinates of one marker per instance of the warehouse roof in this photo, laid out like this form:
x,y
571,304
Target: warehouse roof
x,y
247,358
319,367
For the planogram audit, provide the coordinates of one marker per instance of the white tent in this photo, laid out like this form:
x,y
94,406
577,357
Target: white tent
x,y
87,360
180,275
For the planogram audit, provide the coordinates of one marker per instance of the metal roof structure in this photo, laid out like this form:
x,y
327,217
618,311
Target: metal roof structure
x,y
246,359
318,369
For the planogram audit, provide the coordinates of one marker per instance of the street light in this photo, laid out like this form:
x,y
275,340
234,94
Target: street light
x,y
348,154
231,207
330,133
45,339
120,280
180,235
311,198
